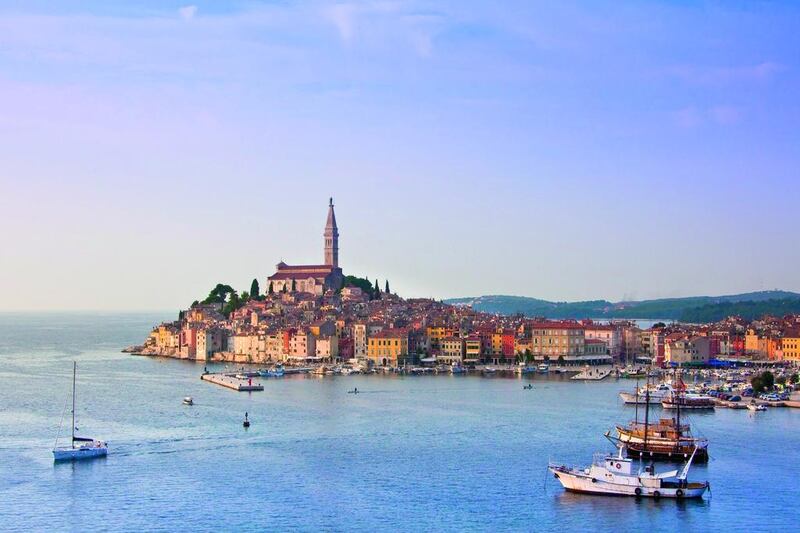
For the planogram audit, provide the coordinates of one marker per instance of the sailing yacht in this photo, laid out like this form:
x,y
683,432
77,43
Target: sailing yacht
x,y
80,447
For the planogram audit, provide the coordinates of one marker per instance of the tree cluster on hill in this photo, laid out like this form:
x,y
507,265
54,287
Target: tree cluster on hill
x,y
229,299
373,291
746,310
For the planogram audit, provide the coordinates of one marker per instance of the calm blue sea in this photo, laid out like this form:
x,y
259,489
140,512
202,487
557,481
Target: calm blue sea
x,y
410,453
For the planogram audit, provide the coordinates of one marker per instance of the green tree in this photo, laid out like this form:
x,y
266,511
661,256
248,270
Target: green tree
x,y
254,289
271,290
219,294
758,385
528,355
794,379
377,289
781,380
561,360
659,325
387,287
294,285
245,296
234,303
285,287
762,382
195,303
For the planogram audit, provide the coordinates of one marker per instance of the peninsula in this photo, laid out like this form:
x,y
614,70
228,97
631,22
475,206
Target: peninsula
x,y
316,314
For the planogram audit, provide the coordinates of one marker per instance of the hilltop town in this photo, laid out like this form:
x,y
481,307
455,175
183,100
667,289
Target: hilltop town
x,y
316,314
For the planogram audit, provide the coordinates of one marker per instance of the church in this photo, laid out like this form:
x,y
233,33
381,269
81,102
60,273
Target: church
x,y
314,279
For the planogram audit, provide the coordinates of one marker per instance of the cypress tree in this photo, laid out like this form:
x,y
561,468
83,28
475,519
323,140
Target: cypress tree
x,y
254,289
387,287
294,285
377,289
271,290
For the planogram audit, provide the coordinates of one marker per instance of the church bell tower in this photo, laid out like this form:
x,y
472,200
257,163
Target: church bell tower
x,y
331,238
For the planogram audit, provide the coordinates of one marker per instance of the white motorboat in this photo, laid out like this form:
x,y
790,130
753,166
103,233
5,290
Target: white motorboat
x,y
611,475
543,368
458,369
188,400
753,406
642,395
80,447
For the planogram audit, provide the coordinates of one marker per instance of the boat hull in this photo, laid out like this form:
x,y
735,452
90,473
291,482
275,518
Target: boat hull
x,y
585,484
78,454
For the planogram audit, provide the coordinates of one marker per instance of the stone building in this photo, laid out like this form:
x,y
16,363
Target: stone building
x,y
313,279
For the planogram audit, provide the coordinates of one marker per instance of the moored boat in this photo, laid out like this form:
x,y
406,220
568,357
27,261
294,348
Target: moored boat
x,y
688,401
666,440
611,475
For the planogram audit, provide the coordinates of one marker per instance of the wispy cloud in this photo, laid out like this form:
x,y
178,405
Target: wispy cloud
x,y
691,117
716,75
187,12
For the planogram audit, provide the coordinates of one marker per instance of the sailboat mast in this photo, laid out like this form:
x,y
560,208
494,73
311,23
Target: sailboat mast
x,y
636,416
74,371
646,412
678,415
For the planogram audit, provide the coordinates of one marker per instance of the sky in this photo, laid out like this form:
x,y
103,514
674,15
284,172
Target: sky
x,y
561,150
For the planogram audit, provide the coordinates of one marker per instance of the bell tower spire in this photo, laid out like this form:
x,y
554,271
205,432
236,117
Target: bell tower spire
x,y
331,238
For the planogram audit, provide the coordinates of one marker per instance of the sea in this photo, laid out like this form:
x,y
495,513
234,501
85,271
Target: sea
x,y
409,453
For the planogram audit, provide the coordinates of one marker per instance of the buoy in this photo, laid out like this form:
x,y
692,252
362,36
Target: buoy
x,y
246,422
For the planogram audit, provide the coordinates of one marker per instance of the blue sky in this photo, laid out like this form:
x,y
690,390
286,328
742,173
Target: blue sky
x,y
563,150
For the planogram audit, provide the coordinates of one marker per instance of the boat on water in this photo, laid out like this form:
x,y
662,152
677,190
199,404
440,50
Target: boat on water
x,y
687,401
489,371
188,400
80,447
755,407
458,369
648,393
611,475
543,368
668,439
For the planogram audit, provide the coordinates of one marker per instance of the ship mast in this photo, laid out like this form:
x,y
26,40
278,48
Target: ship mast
x,y
646,411
678,416
74,370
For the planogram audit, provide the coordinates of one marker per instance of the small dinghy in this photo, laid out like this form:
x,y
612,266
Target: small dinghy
x,y
188,401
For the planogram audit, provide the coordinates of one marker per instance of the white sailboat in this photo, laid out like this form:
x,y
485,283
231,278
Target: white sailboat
x,y
80,447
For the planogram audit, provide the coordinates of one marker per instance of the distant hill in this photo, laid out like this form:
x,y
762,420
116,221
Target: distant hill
x,y
690,309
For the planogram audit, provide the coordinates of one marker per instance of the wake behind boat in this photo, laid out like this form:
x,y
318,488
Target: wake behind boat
x,y
80,447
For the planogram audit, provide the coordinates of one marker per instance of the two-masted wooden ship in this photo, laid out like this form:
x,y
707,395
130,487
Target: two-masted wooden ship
x,y
667,439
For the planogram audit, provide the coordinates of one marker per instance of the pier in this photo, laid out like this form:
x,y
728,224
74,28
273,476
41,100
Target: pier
x,y
593,374
232,382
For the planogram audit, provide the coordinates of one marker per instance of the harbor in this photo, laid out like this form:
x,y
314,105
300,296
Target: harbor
x,y
475,435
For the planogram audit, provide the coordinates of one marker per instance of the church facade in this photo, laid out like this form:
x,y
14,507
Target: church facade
x,y
313,279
